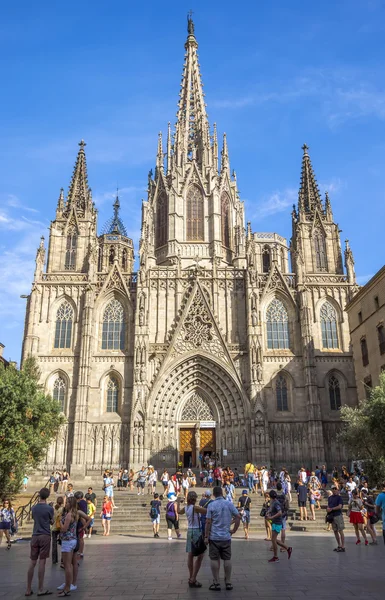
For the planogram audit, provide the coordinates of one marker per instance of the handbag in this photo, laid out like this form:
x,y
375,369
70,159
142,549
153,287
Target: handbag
x,y
329,518
198,547
374,519
263,512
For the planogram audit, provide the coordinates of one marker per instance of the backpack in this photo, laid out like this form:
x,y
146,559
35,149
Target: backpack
x,y
153,512
170,514
282,500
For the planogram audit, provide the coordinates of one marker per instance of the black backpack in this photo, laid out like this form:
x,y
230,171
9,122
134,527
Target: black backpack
x,y
282,500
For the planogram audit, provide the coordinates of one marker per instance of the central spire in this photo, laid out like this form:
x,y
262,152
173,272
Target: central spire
x,y
192,135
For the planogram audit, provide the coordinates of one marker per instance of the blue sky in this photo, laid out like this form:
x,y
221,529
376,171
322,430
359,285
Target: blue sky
x,y
276,75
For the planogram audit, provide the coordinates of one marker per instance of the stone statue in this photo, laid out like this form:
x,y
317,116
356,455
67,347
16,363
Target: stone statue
x,y
140,435
254,318
190,24
135,436
236,441
259,372
197,438
141,318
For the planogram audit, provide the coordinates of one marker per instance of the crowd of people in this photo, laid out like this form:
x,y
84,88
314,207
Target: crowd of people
x,y
212,519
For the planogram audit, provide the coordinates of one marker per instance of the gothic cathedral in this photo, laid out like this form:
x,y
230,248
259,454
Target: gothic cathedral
x,y
215,345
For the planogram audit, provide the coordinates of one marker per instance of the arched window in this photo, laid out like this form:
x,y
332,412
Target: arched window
x,y
161,220
364,352
59,392
266,259
112,395
63,331
277,323
329,331
281,393
111,255
320,251
124,260
113,326
71,247
334,393
225,213
283,260
195,215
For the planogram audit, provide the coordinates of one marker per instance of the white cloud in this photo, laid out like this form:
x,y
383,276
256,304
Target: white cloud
x,y
333,186
14,202
275,203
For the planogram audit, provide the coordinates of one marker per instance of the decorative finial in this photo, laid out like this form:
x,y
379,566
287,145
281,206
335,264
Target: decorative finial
x,y
190,23
82,144
305,148
116,203
42,241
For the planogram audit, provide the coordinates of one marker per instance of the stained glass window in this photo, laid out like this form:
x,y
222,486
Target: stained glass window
x,y
334,393
112,395
281,393
329,326
277,324
225,210
161,220
63,331
59,391
71,247
195,215
320,251
113,326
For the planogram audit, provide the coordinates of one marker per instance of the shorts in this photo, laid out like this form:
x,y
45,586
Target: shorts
x,y
140,484
156,520
68,545
5,525
165,483
276,527
192,536
302,504
109,492
91,523
81,534
356,518
284,519
106,518
40,546
246,516
338,523
172,523
220,549
312,502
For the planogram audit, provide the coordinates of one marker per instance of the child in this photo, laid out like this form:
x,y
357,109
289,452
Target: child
x,y
91,510
210,478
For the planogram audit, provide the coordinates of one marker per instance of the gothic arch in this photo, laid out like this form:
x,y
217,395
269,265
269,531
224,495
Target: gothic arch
x,y
111,373
195,214
56,304
343,385
197,407
226,219
50,381
100,307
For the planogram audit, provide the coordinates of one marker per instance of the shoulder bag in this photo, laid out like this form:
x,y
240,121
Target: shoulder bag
x,y
198,547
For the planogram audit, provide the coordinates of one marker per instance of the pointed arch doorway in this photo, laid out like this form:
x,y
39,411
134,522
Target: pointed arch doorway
x,y
197,429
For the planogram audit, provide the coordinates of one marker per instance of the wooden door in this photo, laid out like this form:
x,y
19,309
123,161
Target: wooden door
x,y
186,443
207,441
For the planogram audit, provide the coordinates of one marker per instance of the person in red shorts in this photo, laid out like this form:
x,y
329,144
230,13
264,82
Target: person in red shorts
x,y
106,515
42,515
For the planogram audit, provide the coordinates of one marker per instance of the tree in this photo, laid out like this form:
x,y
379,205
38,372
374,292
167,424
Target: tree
x,y
29,421
364,432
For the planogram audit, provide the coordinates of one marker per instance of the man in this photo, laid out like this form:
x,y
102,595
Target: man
x,y
335,504
90,495
350,485
141,483
42,515
70,491
264,479
82,505
380,508
302,499
283,500
91,510
220,516
249,474
274,515
218,476
204,502
244,504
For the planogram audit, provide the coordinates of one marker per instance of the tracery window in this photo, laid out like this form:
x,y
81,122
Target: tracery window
x,y
334,393
162,220
281,393
63,330
112,394
197,409
195,215
320,251
113,326
225,212
329,331
71,248
277,324
266,259
59,391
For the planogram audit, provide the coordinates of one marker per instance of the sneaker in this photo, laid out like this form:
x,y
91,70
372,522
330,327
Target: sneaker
x,y
366,543
62,586
358,542
341,550
274,559
170,538
289,552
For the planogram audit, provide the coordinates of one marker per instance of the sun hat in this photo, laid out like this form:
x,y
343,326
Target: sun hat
x,y
207,493
245,492
171,497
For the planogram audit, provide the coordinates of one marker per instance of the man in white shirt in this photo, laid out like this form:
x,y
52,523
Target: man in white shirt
x,y
350,486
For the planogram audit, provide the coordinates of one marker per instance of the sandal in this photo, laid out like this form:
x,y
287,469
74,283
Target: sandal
x,y
46,593
194,584
63,594
215,587
229,586
30,593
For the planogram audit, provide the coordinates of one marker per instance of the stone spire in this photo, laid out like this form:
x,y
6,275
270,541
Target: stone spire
x,y
191,131
328,207
349,263
78,194
225,165
168,148
115,224
309,195
159,155
60,204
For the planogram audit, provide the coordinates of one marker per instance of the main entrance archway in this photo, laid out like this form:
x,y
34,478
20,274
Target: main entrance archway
x,y
197,425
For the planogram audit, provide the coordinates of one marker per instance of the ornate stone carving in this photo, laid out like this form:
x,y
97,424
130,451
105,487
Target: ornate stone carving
x,y
197,409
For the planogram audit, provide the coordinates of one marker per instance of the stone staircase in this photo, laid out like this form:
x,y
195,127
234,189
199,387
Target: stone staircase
x,y
132,515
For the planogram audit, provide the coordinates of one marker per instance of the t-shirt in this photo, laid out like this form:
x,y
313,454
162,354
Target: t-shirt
x,y
245,502
91,508
156,504
82,505
42,515
107,509
302,493
334,501
275,508
221,514
380,501
351,485
282,500
91,497
249,469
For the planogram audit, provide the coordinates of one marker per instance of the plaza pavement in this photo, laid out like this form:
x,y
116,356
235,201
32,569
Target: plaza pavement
x,y
141,568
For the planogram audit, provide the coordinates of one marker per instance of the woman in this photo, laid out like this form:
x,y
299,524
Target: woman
x,y
120,480
69,541
7,519
370,506
55,532
193,534
109,487
311,495
172,516
106,514
125,479
64,481
265,508
151,481
356,518
164,479
52,481
288,485
131,477
185,486
244,504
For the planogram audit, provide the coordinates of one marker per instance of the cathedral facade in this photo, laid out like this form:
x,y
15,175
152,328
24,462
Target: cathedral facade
x,y
224,341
